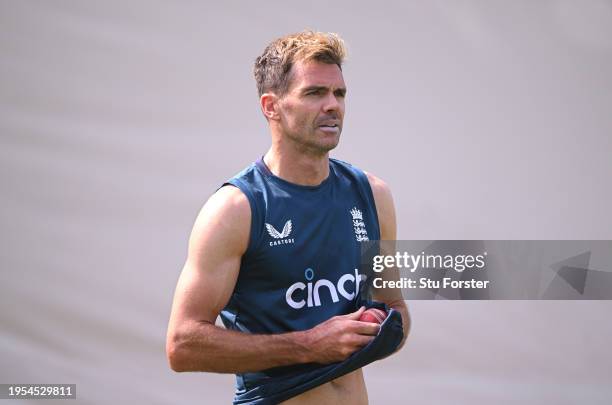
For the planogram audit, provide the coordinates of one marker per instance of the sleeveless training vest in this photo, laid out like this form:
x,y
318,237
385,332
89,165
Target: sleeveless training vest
x,y
301,264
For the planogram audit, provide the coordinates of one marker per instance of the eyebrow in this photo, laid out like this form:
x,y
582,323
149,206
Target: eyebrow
x,y
342,90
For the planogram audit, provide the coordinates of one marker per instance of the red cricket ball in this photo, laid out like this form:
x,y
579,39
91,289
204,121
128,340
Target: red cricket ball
x,y
373,315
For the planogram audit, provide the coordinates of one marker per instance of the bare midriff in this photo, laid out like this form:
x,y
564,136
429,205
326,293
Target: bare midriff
x,y
348,389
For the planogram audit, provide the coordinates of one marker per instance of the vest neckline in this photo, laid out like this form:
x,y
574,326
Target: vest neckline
x,y
261,166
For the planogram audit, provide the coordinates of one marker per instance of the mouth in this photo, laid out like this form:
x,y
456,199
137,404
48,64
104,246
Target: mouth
x,y
331,127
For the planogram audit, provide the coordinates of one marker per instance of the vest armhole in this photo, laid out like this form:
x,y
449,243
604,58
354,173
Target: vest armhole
x,y
369,194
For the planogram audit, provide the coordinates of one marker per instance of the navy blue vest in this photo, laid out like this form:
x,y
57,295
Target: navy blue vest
x,y
301,264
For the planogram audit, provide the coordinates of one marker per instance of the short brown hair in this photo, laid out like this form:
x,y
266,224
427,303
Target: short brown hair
x,y
273,66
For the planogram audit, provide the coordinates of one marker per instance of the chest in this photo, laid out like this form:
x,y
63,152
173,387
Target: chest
x,y
310,239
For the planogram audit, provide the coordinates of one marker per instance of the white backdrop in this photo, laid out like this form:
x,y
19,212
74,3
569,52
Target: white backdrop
x,y
490,120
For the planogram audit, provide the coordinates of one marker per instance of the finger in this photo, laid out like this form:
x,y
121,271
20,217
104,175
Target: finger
x,y
355,315
365,328
362,340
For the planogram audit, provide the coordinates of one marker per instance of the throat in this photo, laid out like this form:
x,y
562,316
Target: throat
x,y
301,169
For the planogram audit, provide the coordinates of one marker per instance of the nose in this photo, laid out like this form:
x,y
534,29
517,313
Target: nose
x,y
331,103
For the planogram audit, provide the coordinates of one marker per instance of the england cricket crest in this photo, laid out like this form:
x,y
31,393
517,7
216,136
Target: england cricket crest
x,y
361,234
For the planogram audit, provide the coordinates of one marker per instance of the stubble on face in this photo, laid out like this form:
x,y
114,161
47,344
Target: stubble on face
x,y
312,110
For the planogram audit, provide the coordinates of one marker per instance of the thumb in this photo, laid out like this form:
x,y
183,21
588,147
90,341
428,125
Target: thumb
x,y
355,315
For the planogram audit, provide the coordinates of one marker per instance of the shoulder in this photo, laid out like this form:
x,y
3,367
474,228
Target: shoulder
x,y
380,189
228,202
224,220
377,185
385,207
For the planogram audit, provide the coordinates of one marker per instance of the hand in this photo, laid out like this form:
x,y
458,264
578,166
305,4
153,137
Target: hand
x,y
337,338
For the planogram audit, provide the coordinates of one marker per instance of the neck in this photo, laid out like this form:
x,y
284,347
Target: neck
x,y
294,166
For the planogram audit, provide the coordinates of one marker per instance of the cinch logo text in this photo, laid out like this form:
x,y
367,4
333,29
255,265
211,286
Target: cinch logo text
x,y
307,294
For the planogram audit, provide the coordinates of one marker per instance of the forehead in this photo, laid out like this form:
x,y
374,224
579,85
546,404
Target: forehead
x,y
312,73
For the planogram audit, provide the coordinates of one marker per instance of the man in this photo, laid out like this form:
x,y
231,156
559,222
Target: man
x,y
275,251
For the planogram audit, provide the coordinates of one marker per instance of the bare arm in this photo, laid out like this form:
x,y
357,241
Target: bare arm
x,y
194,343
388,231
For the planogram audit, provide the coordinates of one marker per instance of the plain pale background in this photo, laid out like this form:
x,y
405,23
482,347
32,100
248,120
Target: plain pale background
x,y
488,119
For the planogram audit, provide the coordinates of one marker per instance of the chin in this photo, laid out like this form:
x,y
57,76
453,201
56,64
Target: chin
x,y
328,146
322,144
329,142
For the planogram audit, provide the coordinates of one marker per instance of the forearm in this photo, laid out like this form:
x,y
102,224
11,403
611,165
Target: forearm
x,y
202,346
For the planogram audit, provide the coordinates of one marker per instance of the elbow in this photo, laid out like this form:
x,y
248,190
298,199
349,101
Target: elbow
x,y
175,357
177,353
183,356
188,349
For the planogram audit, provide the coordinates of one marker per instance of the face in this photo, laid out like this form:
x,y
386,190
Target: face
x,y
312,111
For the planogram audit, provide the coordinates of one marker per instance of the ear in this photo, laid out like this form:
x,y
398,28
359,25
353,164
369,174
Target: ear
x,y
269,106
